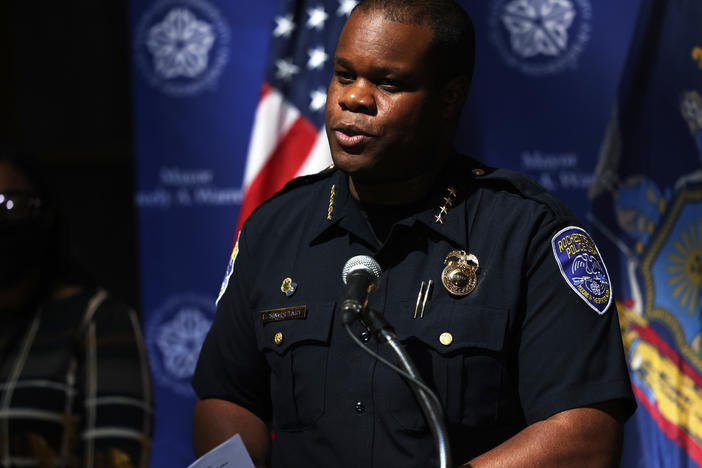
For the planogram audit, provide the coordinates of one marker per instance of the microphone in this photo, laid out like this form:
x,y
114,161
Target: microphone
x,y
359,274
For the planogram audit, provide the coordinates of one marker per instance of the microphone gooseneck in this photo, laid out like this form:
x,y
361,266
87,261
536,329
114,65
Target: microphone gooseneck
x,y
359,274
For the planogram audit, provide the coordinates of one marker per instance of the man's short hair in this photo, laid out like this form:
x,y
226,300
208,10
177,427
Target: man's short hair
x,y
453,45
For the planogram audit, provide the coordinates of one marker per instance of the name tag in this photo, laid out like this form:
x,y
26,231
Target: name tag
x,y
285,313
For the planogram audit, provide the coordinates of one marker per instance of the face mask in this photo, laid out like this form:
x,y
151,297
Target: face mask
x,y
23,246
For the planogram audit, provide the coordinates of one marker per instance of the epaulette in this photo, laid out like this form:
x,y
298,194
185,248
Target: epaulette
x,y
517,183
298,182
306,179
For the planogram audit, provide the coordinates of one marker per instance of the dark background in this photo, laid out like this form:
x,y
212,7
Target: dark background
x,y
65,98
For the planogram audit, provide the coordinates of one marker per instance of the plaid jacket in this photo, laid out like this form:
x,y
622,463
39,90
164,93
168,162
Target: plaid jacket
x,y
74,387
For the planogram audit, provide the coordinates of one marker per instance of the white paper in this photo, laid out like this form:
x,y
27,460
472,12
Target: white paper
x,y
229,454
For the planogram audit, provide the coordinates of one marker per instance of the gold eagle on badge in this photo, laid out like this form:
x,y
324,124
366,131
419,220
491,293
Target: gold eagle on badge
x,y
460,274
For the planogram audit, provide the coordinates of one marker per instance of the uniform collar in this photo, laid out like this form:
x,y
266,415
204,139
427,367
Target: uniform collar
x,y
453,225
345,213
339,211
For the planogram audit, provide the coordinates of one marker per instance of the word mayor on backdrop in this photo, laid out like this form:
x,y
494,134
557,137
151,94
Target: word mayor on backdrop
x,y
179,187
557,171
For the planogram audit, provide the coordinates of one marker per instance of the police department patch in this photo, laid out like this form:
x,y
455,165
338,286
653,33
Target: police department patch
x,y
582,267
230,270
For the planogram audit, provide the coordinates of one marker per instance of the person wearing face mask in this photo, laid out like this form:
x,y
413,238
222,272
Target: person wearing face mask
x,y
74,382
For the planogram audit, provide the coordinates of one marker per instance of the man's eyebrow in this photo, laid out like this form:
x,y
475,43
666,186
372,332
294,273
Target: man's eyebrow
x,y
342,61
382,70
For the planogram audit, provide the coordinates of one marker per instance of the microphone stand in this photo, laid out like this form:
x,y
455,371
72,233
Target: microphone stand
x,y
433,413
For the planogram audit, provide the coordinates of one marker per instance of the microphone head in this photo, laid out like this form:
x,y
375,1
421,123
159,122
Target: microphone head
x,y
361,263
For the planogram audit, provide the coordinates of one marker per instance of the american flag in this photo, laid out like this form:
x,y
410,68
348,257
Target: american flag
x,y
288,137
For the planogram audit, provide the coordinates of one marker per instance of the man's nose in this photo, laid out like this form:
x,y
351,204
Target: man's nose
x,y
358,97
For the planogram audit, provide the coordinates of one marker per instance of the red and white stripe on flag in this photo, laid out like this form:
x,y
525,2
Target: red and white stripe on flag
x,y
283,145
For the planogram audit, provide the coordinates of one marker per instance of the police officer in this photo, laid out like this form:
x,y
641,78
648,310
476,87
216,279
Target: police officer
x,y
499,295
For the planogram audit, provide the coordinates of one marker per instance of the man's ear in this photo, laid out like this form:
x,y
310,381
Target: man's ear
x,y
455,94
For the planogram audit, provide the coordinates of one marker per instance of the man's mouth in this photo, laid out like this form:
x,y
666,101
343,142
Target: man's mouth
x,y
350,135
345,139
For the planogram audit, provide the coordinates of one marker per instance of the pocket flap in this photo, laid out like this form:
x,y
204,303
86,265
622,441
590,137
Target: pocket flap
x,y
278,329
448,328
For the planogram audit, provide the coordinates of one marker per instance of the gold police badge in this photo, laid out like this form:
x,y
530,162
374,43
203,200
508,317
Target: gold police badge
x,y
460,274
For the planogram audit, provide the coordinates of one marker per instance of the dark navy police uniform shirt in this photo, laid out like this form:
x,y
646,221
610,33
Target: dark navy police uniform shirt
x,y
522,346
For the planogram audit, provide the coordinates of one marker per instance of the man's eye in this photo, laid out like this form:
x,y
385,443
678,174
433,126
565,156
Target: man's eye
x,y
390,85
344,77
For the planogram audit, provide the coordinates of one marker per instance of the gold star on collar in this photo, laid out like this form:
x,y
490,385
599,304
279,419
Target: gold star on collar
x,y
448,202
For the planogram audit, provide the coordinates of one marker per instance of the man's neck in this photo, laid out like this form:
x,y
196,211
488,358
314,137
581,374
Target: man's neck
x,y
401,192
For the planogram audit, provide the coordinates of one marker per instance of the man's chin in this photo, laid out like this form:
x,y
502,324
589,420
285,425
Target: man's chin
x,y
352,164
365,175
368,168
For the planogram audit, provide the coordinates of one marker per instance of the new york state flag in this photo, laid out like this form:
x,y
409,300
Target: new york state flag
x,y
647,216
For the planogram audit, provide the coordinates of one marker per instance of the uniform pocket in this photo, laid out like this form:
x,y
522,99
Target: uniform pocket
x,y
458,350
296,350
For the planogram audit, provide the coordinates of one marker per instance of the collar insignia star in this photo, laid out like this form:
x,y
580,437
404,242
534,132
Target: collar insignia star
x,y
448,202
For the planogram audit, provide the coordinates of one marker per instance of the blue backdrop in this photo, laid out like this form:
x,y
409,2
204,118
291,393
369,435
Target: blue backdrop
x,y
540,102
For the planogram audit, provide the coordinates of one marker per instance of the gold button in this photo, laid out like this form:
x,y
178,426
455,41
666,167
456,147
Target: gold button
x,y
446,338
278,338
477,171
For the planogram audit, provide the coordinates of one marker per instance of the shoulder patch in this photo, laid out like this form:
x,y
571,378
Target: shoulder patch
x,y
582,267
230,269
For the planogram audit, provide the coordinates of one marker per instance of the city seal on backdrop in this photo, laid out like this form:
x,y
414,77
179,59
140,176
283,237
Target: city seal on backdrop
x,y
174,335
181,46
540,37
